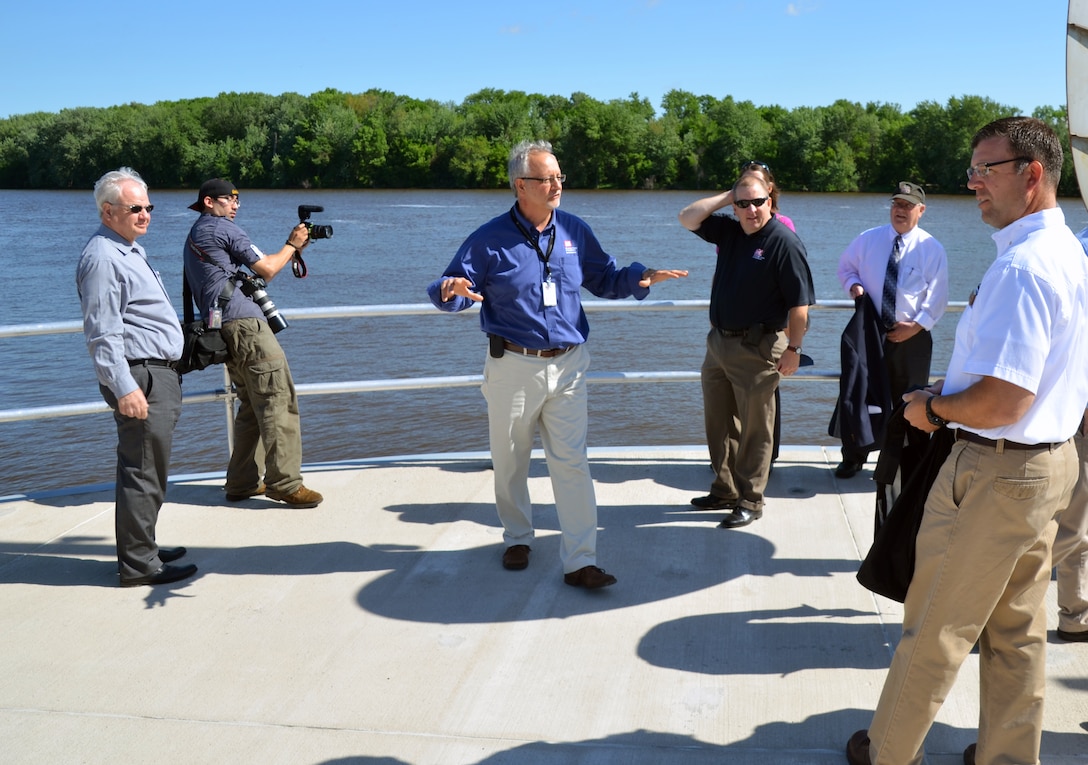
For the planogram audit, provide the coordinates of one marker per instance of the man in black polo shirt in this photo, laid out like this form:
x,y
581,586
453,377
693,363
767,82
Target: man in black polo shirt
x,y
759,303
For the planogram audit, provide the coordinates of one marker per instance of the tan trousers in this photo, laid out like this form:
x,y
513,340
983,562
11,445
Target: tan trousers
x,y
1071,551
739,382
528,395
267,415
981,575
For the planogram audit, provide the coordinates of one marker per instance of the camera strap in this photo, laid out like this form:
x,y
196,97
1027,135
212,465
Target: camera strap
x,y
298,265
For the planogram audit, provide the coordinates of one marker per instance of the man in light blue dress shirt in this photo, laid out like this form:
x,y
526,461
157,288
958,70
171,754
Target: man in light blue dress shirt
x,y
134,340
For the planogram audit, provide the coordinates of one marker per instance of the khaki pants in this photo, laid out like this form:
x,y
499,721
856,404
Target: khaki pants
x,y
981,575
526,395
267,410
739,382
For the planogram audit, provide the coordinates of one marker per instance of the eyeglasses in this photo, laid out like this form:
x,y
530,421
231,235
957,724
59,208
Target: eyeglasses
x,y
136,209
750,164
229,199
982,169
557,180
902,204
744,204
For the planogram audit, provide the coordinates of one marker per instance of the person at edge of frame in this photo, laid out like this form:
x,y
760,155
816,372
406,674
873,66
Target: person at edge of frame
x,y
983,550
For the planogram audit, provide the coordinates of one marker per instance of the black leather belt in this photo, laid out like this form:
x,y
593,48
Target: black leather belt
x,y
153,363
742,332
999,444
544,354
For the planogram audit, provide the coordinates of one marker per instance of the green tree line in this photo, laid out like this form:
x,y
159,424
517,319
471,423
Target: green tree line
x,y
378,139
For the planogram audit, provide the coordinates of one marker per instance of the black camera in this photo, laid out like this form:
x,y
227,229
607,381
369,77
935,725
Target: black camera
x,y
253,288
316,230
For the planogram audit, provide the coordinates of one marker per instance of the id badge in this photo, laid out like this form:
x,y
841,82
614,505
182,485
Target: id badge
x,y
215,317
549,294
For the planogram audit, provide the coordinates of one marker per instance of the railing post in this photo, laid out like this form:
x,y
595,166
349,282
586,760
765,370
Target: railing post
x,y
228,402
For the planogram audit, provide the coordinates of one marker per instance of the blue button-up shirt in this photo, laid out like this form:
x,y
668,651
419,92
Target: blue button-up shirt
x,y
126,311
504,266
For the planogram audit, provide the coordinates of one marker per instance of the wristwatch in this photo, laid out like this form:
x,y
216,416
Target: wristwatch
x,y
934,419
795,348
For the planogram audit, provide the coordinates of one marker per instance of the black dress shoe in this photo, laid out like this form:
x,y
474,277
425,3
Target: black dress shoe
x,y
1073,637
969,755
847,469
711,502
741,516
516,557
590,577
857,749
164,575
171,554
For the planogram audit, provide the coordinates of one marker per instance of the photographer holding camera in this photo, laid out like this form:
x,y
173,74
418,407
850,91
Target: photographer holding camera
x,y
215,252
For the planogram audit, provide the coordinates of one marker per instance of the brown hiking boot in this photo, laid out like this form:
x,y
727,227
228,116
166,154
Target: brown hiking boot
x,y
300,497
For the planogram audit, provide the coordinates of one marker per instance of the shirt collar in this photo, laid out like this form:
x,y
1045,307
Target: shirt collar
x,y
529,226
122,244
1021,228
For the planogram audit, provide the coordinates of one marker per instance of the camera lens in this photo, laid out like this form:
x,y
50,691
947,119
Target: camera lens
x,y
254,291
320,231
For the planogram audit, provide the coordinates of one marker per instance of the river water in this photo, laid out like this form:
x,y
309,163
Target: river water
x,y
388,245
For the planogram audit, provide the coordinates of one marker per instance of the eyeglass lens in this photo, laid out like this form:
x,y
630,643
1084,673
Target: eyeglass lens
x,y
745,203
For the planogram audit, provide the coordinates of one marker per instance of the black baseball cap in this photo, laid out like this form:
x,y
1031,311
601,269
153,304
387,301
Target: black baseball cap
x,y
216,187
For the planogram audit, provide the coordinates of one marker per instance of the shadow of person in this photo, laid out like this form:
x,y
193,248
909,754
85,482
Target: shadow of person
x,y
639,747
771,642
653,556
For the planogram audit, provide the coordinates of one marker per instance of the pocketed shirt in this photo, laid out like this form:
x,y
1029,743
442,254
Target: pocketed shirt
x,y
227,247
759,277
127,313
1028,325
504,266
922,292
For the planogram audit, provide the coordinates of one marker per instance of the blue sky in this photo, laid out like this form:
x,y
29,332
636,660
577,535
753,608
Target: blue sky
x,y
57,55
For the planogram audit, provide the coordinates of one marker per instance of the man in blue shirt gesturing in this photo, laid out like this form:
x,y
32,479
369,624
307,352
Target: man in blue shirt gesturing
x,y
526,268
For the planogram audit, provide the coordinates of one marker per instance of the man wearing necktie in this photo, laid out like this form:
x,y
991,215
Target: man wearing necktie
x,y
908,269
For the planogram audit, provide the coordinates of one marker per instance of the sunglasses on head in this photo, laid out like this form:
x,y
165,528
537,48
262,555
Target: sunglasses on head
x,y
744,204
751,164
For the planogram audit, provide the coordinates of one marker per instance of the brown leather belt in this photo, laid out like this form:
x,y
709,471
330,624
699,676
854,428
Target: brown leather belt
x,y
999,444
544,354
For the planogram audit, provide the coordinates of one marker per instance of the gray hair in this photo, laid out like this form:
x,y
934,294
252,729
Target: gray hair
x,y
108,187
518,165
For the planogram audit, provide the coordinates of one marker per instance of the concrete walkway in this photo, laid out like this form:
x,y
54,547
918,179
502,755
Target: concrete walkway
x,y
380,628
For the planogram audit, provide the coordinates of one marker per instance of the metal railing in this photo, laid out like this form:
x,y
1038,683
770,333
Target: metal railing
x,y
227,396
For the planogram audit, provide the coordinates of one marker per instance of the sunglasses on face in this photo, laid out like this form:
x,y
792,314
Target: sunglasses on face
x,y
136,209
744,204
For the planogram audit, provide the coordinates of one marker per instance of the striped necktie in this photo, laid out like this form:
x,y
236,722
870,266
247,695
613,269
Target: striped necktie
x,y
891,285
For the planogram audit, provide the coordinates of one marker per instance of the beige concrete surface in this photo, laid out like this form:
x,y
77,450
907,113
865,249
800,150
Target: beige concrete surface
x,y
380,628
